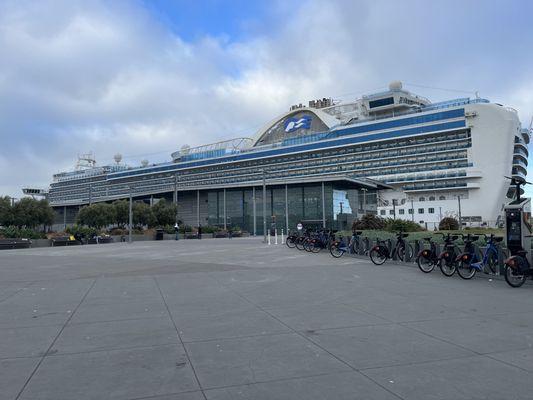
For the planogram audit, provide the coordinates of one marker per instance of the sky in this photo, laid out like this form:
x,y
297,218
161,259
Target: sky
x,y
142,78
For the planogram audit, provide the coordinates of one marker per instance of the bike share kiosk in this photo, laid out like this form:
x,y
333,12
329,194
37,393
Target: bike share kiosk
x,y
517,227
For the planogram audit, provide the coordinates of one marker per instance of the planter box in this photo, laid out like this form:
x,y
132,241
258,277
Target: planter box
x,y
41,243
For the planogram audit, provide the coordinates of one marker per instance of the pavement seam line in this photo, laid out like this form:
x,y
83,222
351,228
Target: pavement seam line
x,y
18,291
54,341
179,337
315,344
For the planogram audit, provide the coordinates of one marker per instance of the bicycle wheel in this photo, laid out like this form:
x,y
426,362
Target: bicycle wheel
x,y
290,242
315,246
307,245
514,278
365,248
336,250
492,263
447,267
465,270
425,263
354,246
377,257
405,252
300,242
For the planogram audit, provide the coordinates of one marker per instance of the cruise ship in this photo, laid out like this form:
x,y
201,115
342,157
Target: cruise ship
x,y
393,153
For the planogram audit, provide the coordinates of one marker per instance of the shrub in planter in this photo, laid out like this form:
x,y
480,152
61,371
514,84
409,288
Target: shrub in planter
x,y
448,224
368,221
400,225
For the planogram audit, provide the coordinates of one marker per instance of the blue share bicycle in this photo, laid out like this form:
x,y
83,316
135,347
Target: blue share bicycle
x,y
469,262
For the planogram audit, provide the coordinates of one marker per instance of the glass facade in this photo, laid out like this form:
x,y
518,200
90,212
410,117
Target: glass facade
x,y
342,204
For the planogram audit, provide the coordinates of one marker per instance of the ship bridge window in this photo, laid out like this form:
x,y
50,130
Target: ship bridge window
x,y
381,102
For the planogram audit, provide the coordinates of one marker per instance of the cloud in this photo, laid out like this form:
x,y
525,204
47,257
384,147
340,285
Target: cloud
x,y
110,77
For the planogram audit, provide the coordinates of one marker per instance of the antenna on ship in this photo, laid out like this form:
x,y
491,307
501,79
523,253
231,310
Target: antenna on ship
x,y
118,158
86,161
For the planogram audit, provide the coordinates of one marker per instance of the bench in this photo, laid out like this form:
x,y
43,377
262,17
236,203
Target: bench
x,y
100,240
64,241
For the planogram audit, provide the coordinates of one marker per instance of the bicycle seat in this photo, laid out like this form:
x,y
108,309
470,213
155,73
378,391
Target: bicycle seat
x,y
498,239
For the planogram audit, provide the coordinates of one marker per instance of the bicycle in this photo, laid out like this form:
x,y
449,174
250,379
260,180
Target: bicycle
x,y
468,258
490,256
291,240
300,240
517,269
427,258
448,257
321,240
381,252
338,247
359,245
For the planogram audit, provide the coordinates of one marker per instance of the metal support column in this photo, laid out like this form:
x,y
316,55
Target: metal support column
x,y
224,204
198,207
176,195
323,207
130,224
287,209
90,194
65,217
460,218
264,208
254,211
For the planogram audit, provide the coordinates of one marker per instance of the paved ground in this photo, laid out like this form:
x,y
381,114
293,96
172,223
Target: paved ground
x,y
220,319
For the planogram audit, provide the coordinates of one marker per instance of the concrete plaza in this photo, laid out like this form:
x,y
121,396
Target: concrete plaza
x,y
236,319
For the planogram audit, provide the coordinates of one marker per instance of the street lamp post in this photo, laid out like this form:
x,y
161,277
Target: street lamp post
x,y
176,195
264,207
459,205
130,216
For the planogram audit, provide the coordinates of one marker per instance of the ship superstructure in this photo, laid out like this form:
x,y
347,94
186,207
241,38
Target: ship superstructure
x,y
393,153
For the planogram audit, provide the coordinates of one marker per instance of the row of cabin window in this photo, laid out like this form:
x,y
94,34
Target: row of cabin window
x,y
401,211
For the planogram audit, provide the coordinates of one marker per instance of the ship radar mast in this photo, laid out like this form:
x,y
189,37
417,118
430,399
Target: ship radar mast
x,y
85,161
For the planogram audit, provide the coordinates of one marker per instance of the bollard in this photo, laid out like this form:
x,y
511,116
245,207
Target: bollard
x,y
268,238
275,236
282,241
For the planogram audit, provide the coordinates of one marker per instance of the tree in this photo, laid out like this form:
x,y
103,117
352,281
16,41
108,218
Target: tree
x,y
6,211
122,212
448,224
26,213
164,213
46,213
96,215
143,215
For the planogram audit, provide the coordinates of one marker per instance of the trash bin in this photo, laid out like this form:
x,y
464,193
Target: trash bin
x,y
159,234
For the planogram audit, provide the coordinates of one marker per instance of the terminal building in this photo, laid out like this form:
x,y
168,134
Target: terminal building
x,y
393,153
